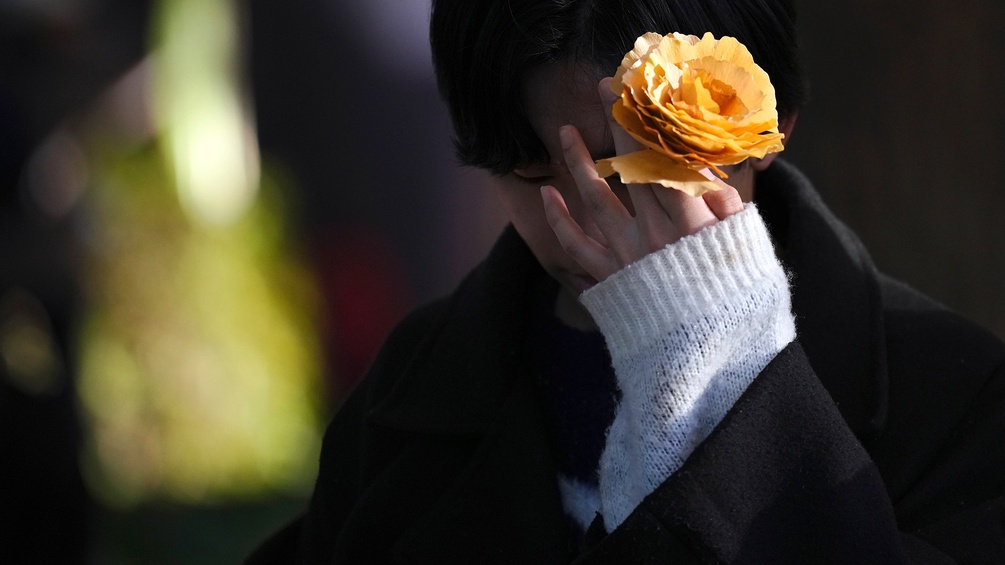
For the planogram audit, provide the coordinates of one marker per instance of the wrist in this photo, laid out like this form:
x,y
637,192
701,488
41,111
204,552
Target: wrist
x,y
725,266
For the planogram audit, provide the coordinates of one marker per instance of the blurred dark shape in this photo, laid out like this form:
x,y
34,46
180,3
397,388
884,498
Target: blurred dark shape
x,y
55,177
54,58
369,146
366,292
54,61
32,361
43,506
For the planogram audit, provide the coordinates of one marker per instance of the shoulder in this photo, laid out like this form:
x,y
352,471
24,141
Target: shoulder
x,y
919,327
940,447
942,367
401,347
448,354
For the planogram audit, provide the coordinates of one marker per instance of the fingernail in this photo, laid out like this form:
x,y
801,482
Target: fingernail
x,y
565,136
606,96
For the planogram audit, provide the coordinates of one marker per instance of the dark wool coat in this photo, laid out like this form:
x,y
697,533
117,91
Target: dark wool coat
x,y
877,437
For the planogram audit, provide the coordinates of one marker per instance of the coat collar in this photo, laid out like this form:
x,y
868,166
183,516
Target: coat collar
x,y
472,355
470,376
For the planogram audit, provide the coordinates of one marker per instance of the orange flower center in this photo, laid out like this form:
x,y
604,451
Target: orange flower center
x,y
700,94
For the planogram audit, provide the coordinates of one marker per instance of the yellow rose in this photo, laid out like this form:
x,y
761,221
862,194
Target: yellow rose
x,y
692,104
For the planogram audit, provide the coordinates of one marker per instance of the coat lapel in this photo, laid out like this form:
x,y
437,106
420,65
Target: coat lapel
x,y
473,355
504,506
471,378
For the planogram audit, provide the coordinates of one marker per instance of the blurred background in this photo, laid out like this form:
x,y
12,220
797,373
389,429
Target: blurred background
x,y
213,211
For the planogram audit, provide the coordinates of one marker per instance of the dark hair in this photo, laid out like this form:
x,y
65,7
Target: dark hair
x,y
483,48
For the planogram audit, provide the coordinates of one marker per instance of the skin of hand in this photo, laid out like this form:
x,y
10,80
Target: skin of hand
x,y
658,216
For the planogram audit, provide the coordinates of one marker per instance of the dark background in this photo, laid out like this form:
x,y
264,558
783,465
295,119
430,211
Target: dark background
x,y
903,136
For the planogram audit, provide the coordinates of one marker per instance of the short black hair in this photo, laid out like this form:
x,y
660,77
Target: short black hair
x,y
482,50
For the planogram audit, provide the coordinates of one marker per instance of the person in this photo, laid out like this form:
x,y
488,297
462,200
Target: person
x,y
634,375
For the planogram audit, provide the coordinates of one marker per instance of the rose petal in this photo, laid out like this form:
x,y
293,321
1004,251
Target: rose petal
x,y
643,46
652,167
697,102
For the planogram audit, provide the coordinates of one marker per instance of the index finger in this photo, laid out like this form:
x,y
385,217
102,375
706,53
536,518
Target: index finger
x,y
643,198
623,142
603,205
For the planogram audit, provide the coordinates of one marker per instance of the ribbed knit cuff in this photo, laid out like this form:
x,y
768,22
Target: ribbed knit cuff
x,y
683,281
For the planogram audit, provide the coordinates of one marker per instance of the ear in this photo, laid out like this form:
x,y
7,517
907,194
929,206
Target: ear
x,y
785,126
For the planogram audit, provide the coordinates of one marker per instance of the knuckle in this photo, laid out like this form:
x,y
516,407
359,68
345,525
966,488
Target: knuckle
x,y
697,224
575,251
596,197
595,206
725,196
572,250
658,239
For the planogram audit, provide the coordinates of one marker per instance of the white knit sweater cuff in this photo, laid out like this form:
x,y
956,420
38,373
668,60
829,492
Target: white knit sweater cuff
x,y
683,281
688,327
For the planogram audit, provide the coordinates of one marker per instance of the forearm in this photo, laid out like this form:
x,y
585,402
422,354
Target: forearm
x,y
688,327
